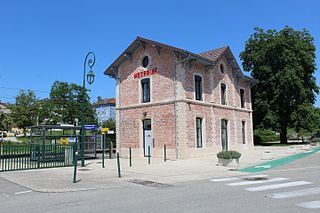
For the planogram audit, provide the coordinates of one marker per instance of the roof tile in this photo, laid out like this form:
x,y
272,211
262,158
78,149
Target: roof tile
x,y
214,54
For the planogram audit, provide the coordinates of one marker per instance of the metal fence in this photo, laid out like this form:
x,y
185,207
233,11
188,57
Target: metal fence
x,y
35,156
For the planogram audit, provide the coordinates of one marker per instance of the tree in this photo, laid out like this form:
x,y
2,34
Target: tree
x,y
5,122
66,103
110,123
23,113
44,112
99,98
283,63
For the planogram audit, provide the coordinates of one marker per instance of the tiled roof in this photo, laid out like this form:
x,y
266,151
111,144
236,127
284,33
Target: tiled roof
x,y
110,101
214,54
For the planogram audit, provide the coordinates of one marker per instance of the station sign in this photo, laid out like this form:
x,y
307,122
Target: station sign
x,y
90,127
104,130
145,73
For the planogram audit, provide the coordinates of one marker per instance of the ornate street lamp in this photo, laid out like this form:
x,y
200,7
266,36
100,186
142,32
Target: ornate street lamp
x,y
90,60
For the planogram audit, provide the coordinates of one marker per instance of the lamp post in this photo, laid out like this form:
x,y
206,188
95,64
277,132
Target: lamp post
x,y
89,60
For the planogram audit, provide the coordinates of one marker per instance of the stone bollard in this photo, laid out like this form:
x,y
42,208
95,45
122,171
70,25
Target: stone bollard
x,y
305,148
292,150
266,156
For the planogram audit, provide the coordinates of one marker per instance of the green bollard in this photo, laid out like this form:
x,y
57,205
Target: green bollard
x,y
103,149
148,154
130,159
118,161
164,153
75,161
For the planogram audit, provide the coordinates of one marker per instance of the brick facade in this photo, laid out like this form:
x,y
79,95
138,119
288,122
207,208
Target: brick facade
x,y
173,117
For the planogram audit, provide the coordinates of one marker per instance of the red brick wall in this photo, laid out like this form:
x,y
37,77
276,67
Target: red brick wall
x,y
160,109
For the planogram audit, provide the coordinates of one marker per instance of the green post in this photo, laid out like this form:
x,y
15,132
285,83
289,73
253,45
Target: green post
x,y
90,79
164,153
130,160
149,155
118,162
103,148
38,156
75,161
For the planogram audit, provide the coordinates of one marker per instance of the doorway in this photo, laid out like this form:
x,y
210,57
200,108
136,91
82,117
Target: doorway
x,y
147,137
224,134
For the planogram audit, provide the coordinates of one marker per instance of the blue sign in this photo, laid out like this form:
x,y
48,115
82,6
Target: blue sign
x,y
90,127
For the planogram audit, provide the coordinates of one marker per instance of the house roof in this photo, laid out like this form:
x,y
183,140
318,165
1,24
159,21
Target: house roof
x,y
107,101
207,58
214,54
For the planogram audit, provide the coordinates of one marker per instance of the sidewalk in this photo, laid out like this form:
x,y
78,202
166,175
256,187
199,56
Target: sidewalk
x,y
93,176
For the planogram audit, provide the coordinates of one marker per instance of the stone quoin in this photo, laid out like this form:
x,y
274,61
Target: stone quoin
x,y
195,104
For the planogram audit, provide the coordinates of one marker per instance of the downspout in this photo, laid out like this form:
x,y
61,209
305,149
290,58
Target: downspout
x,y
175,101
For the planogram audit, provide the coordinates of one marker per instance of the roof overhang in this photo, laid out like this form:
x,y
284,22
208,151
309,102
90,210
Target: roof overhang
x,y
140,42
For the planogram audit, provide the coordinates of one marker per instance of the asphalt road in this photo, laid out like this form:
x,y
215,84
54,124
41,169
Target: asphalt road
x,y
297,183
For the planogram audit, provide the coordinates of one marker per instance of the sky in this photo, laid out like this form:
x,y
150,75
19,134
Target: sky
x,y
46,41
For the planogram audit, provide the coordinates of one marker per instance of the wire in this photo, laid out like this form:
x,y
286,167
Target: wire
x,y
11,88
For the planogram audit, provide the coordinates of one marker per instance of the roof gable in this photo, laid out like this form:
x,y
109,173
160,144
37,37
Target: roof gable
x,y
208,58
214,54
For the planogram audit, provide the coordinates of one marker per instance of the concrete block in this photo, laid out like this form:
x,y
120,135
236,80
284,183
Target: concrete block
x,y
266,156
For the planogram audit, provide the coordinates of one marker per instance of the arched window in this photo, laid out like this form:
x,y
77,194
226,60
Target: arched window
x,y
145,61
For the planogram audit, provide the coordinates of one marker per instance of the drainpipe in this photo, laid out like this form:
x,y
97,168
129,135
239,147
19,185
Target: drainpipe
x,y
175,101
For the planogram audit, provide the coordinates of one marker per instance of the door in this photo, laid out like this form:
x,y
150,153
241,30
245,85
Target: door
x,y
147,137
224,134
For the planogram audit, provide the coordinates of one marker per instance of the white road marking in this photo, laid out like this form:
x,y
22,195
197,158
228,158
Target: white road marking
x,y
310,205
243,183
278,186
224,179
298,193
22,192
264,166
237,178
4,195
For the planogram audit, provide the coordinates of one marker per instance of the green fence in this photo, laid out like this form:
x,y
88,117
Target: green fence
x,y
35,156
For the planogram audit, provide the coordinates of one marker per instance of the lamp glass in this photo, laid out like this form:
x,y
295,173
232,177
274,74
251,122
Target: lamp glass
x,y
90,77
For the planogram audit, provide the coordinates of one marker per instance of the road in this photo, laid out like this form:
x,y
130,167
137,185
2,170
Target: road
x,y
289,188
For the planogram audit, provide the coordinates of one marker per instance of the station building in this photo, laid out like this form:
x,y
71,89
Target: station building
x,y
195,104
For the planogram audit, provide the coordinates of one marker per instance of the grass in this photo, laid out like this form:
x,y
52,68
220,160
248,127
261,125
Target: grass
x,y
281,144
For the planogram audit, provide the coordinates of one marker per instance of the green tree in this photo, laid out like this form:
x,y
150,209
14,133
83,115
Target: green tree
x,y
99,98
5,121
23,113
110,123
283,63
66,103
44,111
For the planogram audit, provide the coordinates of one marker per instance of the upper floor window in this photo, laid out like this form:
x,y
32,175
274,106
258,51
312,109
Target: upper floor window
x,y
223,94
242,98
145,61
145,86
198,87
221,68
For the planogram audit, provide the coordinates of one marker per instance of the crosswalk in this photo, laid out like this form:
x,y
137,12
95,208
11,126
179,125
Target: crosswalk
x,y
262,183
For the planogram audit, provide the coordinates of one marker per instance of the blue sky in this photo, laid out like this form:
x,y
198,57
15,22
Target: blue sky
x,y
44,41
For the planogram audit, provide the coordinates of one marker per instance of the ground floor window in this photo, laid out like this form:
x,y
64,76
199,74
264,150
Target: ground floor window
x,y
243,132
199,132
224,134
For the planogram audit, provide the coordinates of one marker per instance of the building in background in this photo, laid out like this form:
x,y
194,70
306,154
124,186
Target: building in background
x,y
195,104
4,108
105,109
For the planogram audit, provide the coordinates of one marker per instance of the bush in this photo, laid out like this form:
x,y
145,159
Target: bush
x,y
265,135
229,155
